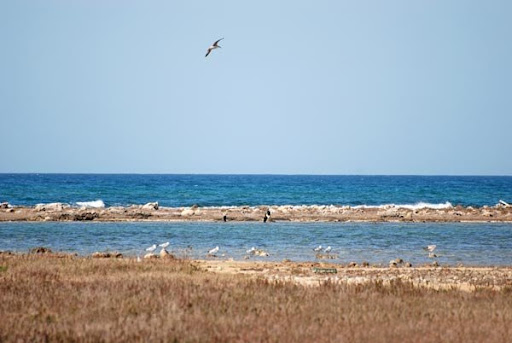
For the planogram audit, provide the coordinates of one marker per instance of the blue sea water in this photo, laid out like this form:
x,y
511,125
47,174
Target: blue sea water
x,y
471,244
253,190
377,243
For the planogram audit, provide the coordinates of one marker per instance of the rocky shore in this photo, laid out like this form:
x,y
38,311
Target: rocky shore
x,y
306,213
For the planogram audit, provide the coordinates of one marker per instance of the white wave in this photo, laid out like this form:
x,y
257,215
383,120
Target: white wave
x,y
94,204
417,206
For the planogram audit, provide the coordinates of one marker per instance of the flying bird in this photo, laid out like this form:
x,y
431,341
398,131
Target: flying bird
x,y
213,47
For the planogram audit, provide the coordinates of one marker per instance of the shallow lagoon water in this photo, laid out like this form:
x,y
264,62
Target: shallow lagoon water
x,y
479,244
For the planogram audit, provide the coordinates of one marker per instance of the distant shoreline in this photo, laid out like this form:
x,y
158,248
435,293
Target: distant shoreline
x,y
305,213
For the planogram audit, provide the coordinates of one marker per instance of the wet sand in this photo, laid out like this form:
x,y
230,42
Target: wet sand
x,y
152,212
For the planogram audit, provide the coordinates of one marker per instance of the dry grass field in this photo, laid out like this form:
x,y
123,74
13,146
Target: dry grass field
x,y
44,298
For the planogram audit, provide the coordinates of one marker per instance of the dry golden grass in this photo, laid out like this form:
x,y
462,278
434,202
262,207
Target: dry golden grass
x,y
95,300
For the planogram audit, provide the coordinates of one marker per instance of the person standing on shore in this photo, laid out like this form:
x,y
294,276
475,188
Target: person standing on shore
x,y
267,216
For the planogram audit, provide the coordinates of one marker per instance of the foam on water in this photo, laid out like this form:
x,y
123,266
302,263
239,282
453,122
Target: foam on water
x,y
94,204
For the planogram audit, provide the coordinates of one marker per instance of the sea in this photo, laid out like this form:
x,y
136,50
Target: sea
x,y
479,244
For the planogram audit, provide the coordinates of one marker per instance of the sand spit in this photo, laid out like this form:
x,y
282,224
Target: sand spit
x,y
311,213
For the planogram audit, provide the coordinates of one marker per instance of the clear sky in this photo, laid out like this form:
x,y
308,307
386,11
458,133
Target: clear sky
x,y
298,87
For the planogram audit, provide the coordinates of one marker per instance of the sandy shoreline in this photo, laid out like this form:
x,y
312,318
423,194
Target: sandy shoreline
x,y
312,213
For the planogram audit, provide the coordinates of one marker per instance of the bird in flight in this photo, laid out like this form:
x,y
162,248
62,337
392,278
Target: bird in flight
x,y
213,47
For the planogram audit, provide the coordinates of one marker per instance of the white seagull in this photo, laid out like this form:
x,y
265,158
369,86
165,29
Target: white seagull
x,y
151,248
318,248
328,249
251,251
164,245
213,251
213,47
430,248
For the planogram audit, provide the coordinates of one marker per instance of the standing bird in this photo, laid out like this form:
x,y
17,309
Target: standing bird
x,y
430,248
213,47
151,248
164,245
251,251
328,249
318,248
213,251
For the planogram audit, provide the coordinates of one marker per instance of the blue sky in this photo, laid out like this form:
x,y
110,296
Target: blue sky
x,y
298,87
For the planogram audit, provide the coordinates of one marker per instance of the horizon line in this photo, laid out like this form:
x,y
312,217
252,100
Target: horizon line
x,y
246,174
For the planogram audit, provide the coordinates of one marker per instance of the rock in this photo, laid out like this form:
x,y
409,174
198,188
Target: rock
x,y
55,206
352,264
150,256
165,254
98,254
115,254
261,253
435,264
41,250
408,265
10,210
5,205
398,260
150,206
86,216
365,264
326,256
187,212
393,264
